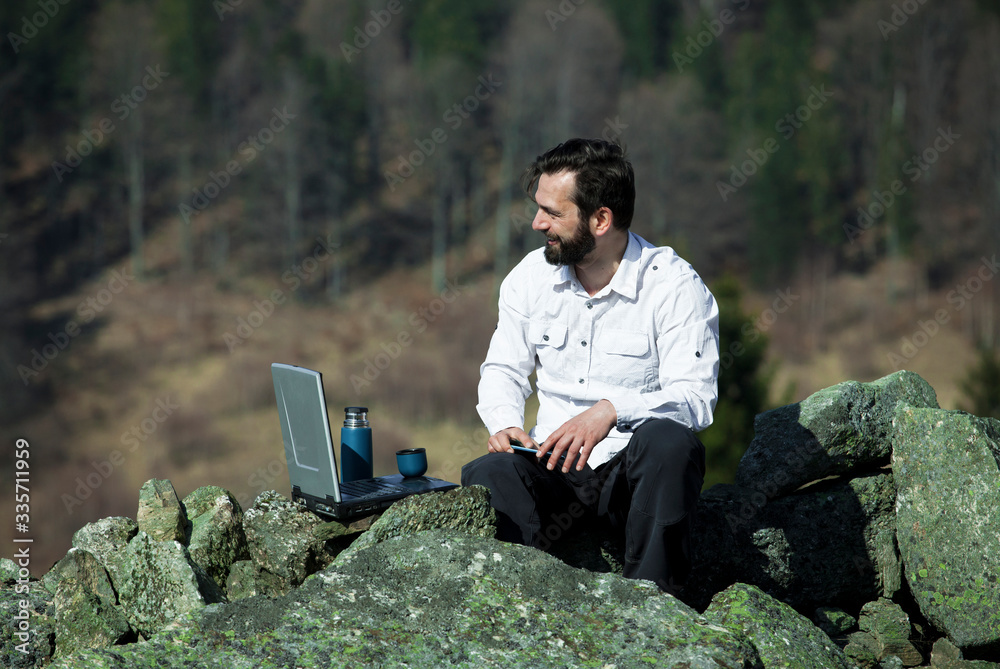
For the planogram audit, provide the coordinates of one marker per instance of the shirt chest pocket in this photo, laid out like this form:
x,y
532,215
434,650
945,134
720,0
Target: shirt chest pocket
x,y
627,343
627,359
547,336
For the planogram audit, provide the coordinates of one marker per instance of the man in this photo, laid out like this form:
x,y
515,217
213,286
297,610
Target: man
x,y
624,340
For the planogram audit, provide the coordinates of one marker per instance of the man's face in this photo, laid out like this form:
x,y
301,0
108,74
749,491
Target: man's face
x,y
569,239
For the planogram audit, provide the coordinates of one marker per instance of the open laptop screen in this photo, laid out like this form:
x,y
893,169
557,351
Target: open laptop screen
x,y
305,430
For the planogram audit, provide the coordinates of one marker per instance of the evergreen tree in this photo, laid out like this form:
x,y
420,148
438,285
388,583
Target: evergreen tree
x,y
743,385
981,385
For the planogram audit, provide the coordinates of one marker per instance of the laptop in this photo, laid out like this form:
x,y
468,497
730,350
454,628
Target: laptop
x,y
311,454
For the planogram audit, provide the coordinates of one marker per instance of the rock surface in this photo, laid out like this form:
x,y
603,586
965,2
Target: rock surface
x,y
465,510
427,585
87,614
283,543
106,540
781,636
27,633
835,431
163,584
827,545
888,629
217,536
447,598
945,464
161,514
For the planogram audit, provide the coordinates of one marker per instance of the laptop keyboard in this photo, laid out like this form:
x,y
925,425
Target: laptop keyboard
x,y
369,488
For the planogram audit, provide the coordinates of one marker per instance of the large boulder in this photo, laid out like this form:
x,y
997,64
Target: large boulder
x,y
86,606
217,537
285,541
885,632
782,637
446,598
161,515
27,625
106,539
837,430
465,510
162,583
945,464
832,544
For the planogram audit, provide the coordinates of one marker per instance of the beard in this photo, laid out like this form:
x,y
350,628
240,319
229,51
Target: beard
x,y
573,250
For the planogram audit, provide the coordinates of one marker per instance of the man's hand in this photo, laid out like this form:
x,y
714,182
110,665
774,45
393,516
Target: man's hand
x,y
579,435
500,442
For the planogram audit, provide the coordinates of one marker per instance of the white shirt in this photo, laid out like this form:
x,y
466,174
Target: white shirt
x,y
648,342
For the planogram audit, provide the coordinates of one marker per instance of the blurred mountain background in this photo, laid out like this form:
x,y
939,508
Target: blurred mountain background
x,y
192,189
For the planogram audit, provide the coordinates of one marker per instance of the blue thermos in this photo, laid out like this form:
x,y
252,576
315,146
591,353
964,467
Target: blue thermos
x,y
355,445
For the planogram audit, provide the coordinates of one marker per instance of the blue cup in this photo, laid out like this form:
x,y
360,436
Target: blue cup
x,y
411,462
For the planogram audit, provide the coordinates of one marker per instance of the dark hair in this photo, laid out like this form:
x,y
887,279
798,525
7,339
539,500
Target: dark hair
x,y
604,177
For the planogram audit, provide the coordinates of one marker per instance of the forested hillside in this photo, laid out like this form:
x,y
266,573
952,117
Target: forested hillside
x,y
193,189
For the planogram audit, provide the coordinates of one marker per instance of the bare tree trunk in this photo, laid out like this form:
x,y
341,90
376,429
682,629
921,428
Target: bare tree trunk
x,y
293,195
293,178
502,254
136,194
333,199
459,209
220,126
440,232
186,236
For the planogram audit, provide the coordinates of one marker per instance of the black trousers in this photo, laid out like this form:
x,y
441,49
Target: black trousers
x,y
648,490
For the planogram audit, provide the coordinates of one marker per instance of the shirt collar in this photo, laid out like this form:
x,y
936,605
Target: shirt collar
x,y
626,278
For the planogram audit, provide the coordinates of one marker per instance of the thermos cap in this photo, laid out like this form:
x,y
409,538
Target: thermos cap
x,y
356,417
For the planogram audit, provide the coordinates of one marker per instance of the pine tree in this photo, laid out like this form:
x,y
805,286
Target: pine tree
x,y
981,385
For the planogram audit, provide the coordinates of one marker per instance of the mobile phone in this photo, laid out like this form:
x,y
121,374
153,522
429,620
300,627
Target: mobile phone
x,y
521,448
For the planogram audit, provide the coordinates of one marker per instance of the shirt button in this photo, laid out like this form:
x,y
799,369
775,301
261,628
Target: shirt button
x,y
590,305
583,343
655,267
545,337
581,380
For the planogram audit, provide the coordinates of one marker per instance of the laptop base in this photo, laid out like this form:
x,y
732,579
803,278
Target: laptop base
x,y
355,507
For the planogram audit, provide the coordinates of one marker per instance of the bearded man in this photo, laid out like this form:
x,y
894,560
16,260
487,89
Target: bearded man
x,y
623,338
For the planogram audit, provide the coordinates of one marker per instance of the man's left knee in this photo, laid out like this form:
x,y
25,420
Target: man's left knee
x,y
667,441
